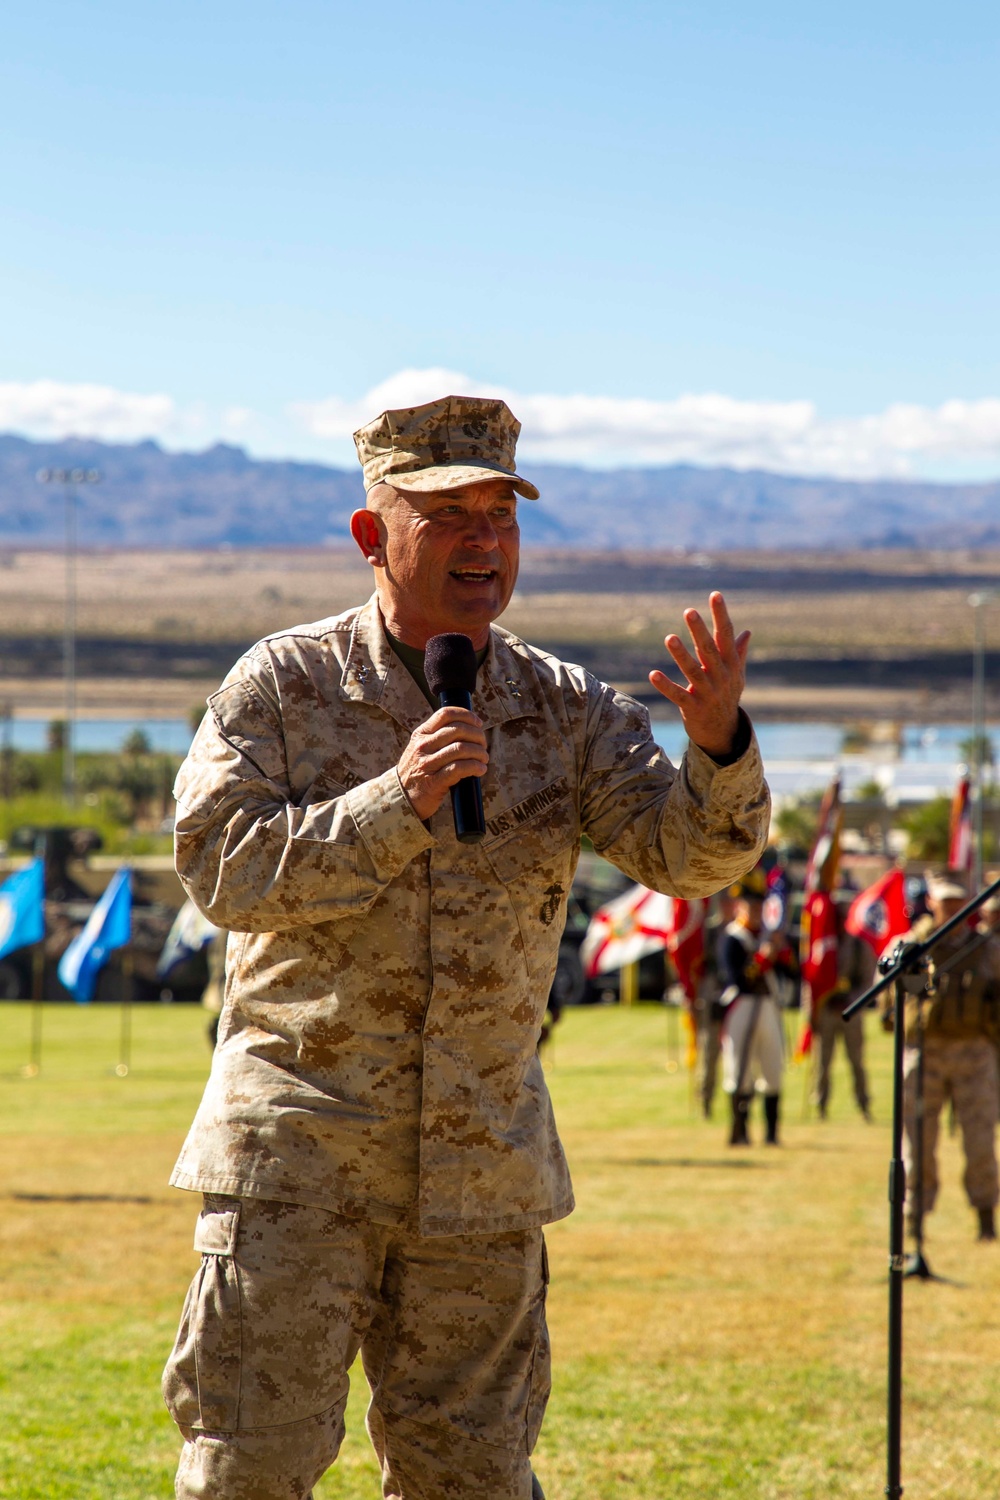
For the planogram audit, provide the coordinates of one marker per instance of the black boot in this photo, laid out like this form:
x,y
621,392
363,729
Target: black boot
x,y
738,1135
987,1224
772,1108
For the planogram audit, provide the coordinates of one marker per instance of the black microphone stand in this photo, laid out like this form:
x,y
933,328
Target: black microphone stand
x,y
906,969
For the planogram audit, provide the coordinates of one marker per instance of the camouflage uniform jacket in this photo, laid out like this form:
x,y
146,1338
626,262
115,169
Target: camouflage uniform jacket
x,y
966,999
386,984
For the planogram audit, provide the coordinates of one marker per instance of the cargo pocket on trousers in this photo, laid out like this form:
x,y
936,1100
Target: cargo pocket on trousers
x,y
201,1383
540,1381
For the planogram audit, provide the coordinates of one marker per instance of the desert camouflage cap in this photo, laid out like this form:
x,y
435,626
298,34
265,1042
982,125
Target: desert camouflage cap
x,y
442,445
947,885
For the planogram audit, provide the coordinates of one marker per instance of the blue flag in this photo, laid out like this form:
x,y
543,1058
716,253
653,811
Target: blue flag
x,y
22,908
109,926
190,933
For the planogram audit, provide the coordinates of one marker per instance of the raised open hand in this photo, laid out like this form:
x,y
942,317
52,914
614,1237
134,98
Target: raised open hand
x,y
709,704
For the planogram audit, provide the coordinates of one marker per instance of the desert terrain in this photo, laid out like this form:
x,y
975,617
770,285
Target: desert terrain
x,y
835,634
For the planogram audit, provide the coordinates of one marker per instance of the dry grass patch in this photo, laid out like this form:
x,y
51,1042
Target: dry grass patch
x,y
237,595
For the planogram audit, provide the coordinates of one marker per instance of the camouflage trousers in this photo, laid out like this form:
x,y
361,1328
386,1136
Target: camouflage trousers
x,y
966,1072
831,1025
452,1337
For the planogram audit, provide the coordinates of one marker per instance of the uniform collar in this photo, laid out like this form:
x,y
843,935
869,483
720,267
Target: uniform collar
x,y
507,687
373,673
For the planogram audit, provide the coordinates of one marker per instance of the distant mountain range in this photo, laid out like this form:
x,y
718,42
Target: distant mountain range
x,y
151,498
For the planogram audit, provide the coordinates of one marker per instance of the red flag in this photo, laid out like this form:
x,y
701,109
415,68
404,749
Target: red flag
x,y
819,957
880,913
686,943
818,944
960,829
824,860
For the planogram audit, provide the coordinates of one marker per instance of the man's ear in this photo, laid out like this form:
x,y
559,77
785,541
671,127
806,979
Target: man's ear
x,y
368,530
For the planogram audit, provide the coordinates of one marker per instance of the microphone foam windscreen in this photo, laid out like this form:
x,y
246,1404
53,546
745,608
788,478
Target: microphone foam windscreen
x,y
450,664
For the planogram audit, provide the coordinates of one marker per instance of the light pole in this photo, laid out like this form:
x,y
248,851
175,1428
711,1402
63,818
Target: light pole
x,y
70,479
978,601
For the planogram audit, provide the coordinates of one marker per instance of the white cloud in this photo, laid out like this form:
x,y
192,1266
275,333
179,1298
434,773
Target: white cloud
x,y
788,436
48,409
335,418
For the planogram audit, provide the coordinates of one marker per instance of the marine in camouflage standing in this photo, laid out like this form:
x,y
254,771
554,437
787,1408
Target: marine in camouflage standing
x,y
376,1145
958,1022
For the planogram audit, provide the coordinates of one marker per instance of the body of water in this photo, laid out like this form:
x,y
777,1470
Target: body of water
x,y
922,744
172,736
930,744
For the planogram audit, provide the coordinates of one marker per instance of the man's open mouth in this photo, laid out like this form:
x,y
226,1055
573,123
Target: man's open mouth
x,y
474,575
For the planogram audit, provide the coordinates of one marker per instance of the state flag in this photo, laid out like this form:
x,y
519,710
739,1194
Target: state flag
x,y
880,912
190,933
824,858
108,927
775,912
819,966
686,942
22,908
960,829
624,930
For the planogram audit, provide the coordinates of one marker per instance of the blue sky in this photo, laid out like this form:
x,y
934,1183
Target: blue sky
x,y
715,232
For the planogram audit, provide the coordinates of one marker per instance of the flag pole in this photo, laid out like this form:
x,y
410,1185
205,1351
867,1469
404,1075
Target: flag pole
x,y
628,987
34,1066
125,1037
692,1057
807,1084
673,1049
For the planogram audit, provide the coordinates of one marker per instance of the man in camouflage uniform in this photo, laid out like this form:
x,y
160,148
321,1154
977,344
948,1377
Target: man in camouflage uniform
x,y
376,1144
958,1020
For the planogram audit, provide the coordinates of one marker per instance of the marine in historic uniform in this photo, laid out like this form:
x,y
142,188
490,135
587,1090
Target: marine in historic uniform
x,y
753,965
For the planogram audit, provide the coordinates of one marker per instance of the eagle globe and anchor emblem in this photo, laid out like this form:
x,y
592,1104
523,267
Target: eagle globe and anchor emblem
x,y
877,917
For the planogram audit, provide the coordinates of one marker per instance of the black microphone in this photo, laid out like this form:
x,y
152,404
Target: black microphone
x,y
450,667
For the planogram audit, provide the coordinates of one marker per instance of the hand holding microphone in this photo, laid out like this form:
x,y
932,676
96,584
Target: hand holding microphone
x,y
448,751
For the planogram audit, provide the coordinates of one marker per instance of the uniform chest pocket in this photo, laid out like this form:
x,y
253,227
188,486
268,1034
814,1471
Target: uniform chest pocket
x,y
322,789
352,760
541,851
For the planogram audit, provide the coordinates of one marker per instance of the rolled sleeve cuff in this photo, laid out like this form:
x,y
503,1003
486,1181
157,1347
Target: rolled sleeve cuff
x,y
711,778
389,828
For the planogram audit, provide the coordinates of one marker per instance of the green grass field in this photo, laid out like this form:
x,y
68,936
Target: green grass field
x,y
718,1318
